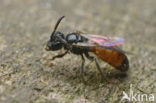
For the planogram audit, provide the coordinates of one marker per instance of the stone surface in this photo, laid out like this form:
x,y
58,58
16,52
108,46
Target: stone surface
x,y
26,75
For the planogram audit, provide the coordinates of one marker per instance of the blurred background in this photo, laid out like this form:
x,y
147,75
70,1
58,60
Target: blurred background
x,y
26,25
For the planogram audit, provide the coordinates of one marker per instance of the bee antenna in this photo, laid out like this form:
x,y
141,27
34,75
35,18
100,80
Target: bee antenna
x,y
56,25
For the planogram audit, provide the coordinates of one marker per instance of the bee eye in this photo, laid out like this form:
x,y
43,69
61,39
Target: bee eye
x,y
59,34
54,45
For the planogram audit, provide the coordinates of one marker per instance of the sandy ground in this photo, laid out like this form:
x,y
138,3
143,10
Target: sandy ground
x,y
25,27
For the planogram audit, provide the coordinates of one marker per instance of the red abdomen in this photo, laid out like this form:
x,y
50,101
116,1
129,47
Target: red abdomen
x,y
114,58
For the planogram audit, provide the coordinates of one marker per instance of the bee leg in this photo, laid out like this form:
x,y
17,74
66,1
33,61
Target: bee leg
x,y
97,64
87,66
99,69
59,55
82,69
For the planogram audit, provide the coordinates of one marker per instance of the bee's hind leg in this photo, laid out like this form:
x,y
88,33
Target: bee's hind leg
x,y
97,64
82,69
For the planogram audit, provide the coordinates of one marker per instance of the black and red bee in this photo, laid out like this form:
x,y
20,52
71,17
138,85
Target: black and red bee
x,y
106,48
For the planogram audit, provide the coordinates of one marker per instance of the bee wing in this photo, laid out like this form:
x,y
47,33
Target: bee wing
x,y
105,41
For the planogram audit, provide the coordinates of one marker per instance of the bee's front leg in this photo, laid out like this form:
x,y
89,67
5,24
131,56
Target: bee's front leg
x,y
59,55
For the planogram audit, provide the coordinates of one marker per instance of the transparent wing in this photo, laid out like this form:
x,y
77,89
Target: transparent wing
x,y
105,41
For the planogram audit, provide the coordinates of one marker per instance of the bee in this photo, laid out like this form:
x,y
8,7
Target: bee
x,y
104,47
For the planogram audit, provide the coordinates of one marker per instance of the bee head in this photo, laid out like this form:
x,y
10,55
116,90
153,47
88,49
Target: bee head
x,y
54,43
